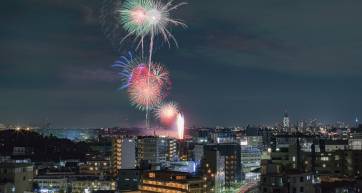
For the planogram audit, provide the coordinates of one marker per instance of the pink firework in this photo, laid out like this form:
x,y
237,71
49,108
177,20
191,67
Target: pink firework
x,y
156,72
145,92
167,113
138,15
147,83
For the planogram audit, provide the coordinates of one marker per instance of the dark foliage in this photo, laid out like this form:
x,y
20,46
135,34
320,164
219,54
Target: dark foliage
x,y
44,148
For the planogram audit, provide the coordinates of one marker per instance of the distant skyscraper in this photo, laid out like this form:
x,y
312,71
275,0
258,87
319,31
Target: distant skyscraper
x,y
286,121
356,121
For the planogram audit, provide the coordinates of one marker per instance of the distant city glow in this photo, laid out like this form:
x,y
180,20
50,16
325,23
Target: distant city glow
x,y
180,125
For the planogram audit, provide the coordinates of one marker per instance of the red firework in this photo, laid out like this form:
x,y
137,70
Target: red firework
x,y
147,86
167,113
145,93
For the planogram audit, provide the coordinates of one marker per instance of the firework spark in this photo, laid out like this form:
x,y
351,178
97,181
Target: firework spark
x,y
141,18
146,86
133,69
167,113
145,93
162,76
133,17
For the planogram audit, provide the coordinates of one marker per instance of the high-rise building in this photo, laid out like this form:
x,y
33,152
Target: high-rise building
x,y
222,165
123,154
250,160
152,149
198,152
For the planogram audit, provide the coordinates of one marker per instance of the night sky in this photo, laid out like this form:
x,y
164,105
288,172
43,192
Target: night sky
x,y
239,62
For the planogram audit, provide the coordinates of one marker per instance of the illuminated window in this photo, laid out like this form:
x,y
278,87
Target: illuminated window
x,y
324,158
180,177
151,175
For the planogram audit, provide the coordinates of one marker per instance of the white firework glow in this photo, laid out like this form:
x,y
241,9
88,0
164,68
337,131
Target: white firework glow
x,y
180,123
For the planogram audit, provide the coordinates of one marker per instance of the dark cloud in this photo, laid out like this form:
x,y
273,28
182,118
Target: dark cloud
x,y
239,62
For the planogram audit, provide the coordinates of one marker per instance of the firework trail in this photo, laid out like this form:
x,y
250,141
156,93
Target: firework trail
x,y
167,113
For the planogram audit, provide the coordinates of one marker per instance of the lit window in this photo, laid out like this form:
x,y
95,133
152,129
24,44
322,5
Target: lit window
x,y
151,175
324,158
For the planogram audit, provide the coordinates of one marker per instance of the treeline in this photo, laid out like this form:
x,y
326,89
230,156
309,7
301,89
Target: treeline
x,y
42,148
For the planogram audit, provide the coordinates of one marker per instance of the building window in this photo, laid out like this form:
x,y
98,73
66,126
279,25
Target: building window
x,y
336,157
301,189
324,158
151,175
301,179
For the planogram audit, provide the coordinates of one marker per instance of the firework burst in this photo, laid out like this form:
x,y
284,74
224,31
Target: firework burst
x,y
133,17
167,113
141,18
133,69
145,93
147,84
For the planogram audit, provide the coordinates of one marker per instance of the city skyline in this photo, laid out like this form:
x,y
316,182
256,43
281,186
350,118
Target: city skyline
x,y
246,64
